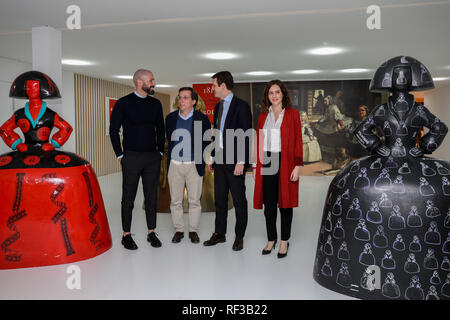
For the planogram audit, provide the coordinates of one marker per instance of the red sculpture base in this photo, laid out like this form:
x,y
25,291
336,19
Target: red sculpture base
x,y
51,216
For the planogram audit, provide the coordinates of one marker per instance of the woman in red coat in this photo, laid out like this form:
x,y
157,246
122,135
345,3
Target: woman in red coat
x,y
279,155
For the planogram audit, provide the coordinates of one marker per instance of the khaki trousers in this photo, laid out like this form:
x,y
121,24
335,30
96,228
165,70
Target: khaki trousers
x,y
179,176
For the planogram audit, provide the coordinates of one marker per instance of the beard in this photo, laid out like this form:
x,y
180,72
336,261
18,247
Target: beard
x,y
149,90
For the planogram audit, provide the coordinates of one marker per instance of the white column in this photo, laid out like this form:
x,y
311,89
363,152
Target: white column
x,y
47,48
47,55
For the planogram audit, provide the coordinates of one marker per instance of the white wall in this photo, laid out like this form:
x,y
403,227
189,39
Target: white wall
x,y
438,102
173,96
68,107
9,70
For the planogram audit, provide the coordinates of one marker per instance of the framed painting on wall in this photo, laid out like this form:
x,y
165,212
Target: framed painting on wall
x,y
109,107
329,113
204,90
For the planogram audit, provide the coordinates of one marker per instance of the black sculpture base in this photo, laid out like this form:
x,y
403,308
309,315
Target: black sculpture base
x,y
385,231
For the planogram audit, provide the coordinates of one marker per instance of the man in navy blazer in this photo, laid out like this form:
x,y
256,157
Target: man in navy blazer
x,y
185,129
230,159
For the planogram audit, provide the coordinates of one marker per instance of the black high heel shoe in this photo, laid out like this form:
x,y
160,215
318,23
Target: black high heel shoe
x,y
264,252
282,255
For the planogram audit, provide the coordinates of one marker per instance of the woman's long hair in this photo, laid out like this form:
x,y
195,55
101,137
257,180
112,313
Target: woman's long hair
x,y
286,103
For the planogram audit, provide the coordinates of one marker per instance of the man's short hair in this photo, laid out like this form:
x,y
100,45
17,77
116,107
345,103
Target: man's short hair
x,y
194,95
224,77
139,74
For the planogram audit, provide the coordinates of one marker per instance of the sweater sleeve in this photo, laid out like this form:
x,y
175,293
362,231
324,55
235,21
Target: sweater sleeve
x,y
160,132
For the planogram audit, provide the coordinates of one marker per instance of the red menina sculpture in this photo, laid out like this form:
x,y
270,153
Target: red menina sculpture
x,y
52,209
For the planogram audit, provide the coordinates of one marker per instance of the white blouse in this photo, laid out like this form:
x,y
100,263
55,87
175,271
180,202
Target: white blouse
x,y
272,132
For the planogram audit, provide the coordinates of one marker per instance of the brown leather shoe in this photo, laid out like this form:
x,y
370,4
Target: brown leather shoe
x,y
194,237
215,239
238,244
177,237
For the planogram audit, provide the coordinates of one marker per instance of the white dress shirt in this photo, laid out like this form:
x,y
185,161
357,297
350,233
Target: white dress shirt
x,y
272,132
226,107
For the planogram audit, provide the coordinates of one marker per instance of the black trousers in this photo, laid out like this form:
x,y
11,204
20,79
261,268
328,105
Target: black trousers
x,y
225,181
270,201
136,165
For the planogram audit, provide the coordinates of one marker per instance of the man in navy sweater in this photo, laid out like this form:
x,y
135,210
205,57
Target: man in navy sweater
x,y
185,163
141,118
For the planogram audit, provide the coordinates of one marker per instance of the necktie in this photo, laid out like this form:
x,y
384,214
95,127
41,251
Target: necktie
x,y
219,114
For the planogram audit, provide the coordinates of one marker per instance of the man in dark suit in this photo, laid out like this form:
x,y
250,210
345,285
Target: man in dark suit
x,y
229,159
185,129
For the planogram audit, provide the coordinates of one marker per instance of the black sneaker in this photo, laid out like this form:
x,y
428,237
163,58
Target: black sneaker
x,y
153,239
129,243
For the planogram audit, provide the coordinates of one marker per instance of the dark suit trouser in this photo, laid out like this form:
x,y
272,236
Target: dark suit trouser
x,y
270,200
225,181
136,165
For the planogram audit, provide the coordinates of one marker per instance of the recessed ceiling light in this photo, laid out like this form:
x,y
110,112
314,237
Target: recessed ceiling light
x,y
259,73
354,70
441,78
74,62
305,71
325,51
220,55
164,85
128,77
209,75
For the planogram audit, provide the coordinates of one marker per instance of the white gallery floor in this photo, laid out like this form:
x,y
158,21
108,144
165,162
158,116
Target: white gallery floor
x,y
186,270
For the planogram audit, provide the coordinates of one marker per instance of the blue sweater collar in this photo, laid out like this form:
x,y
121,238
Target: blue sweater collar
x,y
190,114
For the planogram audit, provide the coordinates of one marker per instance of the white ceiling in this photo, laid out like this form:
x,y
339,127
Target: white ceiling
x,y
170,36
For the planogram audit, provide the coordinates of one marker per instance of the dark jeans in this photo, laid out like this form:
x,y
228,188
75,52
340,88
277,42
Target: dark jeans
x,y
134,166
225,181
270,200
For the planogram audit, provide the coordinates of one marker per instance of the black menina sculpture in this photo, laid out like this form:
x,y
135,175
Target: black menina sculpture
x,y
385,231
